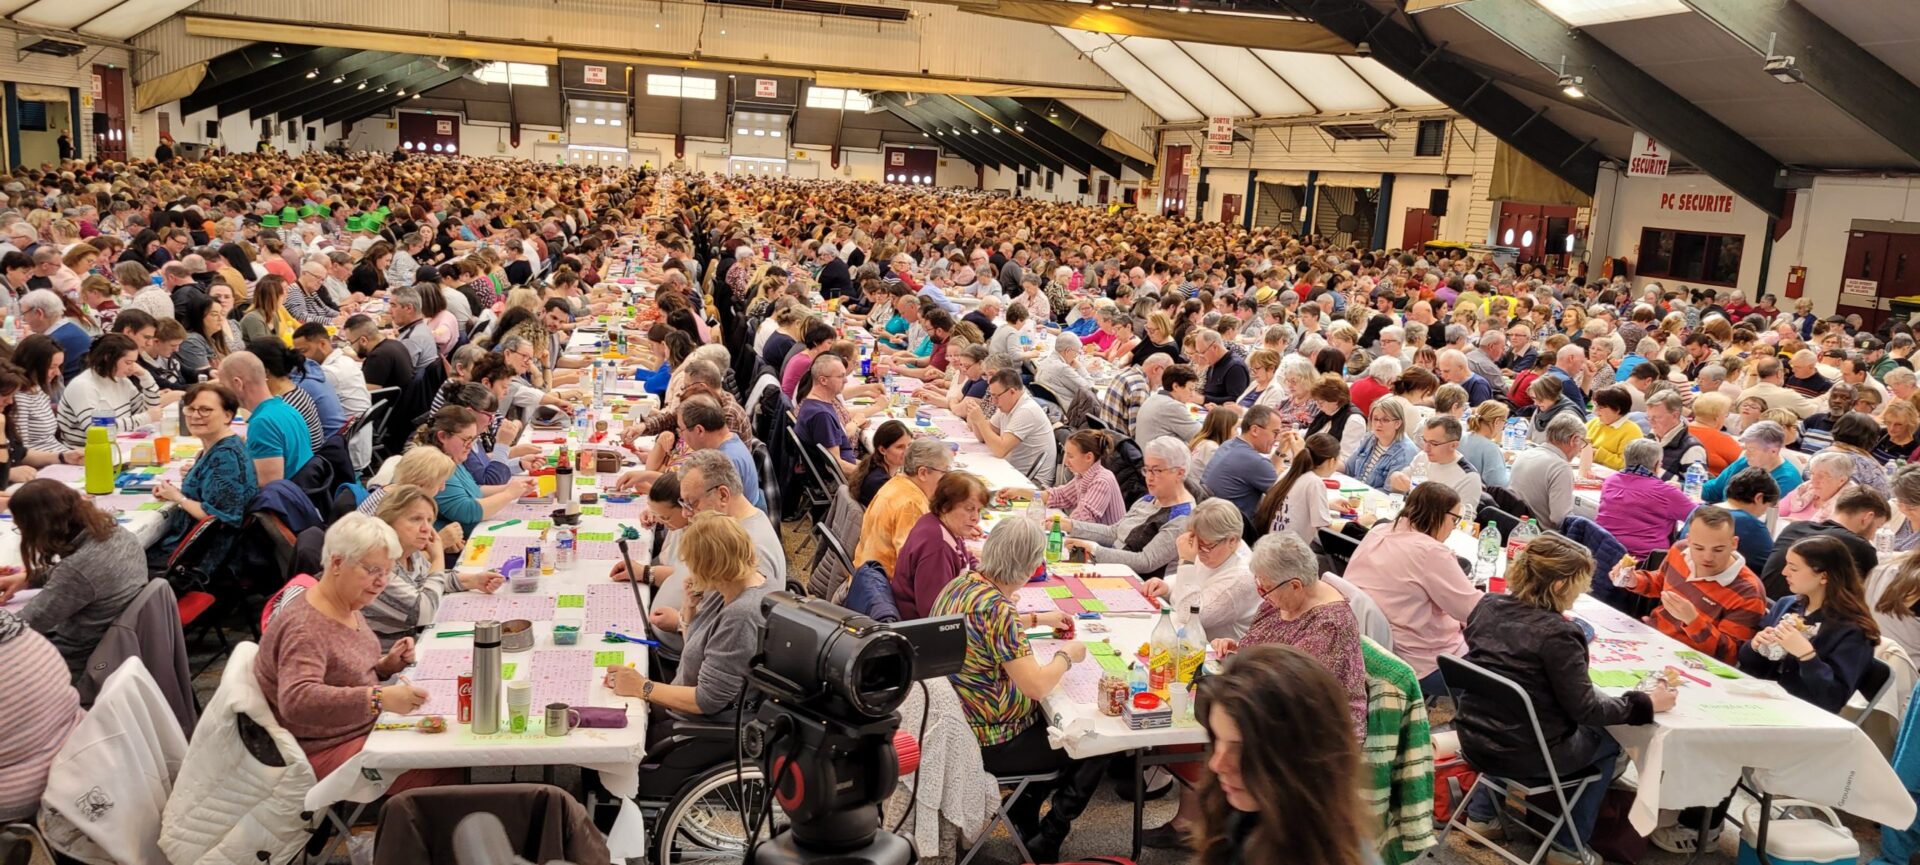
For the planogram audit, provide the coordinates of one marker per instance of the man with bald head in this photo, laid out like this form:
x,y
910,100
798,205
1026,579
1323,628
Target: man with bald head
x,y
277,438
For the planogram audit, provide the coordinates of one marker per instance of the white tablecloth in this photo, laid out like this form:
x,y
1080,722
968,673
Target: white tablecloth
x,y
1079,728
1692,755
614,753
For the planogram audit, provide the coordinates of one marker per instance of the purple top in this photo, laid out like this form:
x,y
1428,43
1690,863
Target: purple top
x,y
1641,511
1329,633
929,560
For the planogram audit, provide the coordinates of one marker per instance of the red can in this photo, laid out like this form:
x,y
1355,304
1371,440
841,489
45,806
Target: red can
x,y
466,698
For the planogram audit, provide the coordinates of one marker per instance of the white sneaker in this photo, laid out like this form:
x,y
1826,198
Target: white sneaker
x,y
1492,830
1557,856
1682,839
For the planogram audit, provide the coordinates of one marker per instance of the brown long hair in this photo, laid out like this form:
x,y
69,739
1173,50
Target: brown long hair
x,y
1277,693
54,521
1846,597
1318,448
1901,597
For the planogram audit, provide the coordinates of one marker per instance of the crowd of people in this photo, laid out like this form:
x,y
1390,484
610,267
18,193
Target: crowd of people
x,y
1183,394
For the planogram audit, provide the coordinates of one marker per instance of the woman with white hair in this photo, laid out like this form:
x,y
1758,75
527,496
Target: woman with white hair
x,y
1828,474
1147,538
320,665
1297,376
1213,572
1378,382
1001,684
1763,446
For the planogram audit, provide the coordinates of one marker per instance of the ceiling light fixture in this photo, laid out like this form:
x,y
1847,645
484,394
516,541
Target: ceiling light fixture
x,y
400,92
313,73
973,130
382,89
1572,85
1018,128
340,79
414,96
363,86
276,53
1103,6
996,130
1781,66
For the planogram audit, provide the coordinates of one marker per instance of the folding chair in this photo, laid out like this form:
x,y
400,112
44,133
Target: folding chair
x,y
1472,680
1339,549
1014,786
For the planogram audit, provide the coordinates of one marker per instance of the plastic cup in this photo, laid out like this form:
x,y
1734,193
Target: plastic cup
x,y
163,449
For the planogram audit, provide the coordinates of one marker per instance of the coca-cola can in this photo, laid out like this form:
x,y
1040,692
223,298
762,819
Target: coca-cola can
x,y
466,698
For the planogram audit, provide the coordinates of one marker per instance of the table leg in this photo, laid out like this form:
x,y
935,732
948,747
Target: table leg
x,y
1139,798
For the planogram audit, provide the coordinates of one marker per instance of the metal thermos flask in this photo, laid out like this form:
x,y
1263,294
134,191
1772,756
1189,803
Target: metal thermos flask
x,y
486,677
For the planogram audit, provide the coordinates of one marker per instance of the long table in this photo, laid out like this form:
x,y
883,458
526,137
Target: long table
x,y
1721,726
613,753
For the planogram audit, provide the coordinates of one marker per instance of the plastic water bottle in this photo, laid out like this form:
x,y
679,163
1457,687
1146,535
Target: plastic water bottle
x,y
1193,646
1488,564
1523,534
1056,542
600,373
1696,481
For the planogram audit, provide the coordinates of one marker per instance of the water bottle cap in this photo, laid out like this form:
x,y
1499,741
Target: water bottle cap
x,y
103,420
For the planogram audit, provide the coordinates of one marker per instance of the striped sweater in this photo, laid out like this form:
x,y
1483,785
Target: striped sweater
x,y
1728,605
39,427
89,396
36,727
1398,756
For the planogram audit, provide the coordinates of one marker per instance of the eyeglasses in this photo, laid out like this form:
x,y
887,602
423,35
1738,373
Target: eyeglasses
x,y
200,409
1206,546
1434,444
1155,470
688,504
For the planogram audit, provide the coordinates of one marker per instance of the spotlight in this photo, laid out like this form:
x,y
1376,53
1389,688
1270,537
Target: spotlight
x,y
973,130
363,86
1103,6
381,89
1018,128
313,73
275,54
340,79
414,96
1781,66
996,130
1572,85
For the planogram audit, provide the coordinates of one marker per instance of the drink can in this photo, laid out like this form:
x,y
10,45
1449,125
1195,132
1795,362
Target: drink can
x,y
533,559
466,698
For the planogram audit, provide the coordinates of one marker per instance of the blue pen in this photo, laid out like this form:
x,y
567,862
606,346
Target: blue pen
x,y
617,637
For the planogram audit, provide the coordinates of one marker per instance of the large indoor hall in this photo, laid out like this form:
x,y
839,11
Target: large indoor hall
x,y
980,432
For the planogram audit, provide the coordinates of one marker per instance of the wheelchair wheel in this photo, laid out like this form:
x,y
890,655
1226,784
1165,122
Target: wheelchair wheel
x,y
706,821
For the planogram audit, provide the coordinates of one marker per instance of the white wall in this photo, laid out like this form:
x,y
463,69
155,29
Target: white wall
x,y
64,72
1816,239
1066,185
239,133
1465,167
1821,218
1683,202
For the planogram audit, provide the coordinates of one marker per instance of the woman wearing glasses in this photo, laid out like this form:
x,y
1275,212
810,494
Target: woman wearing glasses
x,y
1296,609
220,484
1407,569
453,429
320,665
1388,449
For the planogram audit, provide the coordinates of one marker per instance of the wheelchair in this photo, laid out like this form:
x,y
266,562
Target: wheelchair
x,y
695,803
